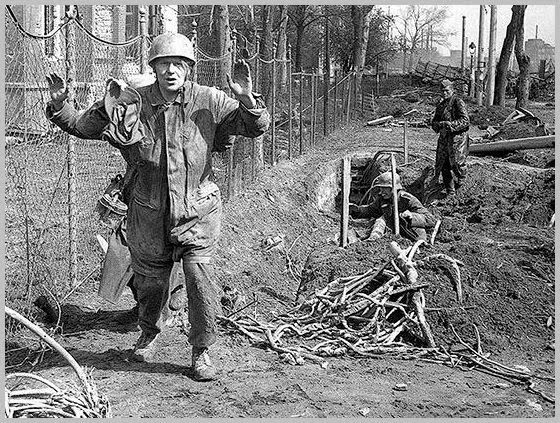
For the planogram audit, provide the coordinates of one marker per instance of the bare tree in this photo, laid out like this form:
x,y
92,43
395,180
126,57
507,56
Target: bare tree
x,y
361,19
266,50
302,17
222,42
523,60
282,46
420,21
503,62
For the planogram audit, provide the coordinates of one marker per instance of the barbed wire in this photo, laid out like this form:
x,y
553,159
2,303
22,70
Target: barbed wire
x,y
68,20
101,40
29,34
206,56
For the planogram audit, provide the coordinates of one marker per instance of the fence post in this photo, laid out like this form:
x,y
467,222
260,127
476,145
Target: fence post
x,y
194,39
362,95
71,81
313,107
346,184
256,78
290,128
326,75
335,108
405,140
300,113
143,23
273,104
348,99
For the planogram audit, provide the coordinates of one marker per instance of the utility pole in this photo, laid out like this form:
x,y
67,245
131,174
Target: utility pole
x,y
479,80
491,58
463,46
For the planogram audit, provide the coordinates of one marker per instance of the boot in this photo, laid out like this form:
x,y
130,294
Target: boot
x,y
144,349
202,367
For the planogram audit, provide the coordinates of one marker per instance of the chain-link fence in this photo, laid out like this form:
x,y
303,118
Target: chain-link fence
x,y
54,180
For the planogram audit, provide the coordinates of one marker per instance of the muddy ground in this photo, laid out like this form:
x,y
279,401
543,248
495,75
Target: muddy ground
x,y
497,226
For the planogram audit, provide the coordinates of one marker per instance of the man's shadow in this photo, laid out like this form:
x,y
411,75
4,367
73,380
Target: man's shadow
x,y
72,318
116,360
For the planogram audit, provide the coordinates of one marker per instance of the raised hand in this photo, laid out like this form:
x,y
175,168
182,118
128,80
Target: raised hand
x,y
57,88
241,84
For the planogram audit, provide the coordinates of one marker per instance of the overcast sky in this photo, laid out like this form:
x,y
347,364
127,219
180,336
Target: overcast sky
x,y
541,15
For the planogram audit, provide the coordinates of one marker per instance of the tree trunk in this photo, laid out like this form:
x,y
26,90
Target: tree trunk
x,y
361,36
299,40
266,52
523,60
222,43
282,48
503,63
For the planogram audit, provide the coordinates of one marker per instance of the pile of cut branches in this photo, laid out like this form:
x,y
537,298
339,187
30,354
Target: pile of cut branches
x,y
28,395
378,312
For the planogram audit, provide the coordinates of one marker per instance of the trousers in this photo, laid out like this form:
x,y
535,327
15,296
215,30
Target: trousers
x,y
451,158
203,302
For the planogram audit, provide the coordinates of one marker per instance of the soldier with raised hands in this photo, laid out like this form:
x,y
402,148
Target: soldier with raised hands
x,y
174,210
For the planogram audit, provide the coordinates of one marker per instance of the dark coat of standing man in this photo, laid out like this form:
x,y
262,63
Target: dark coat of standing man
x,y
451,122
175,207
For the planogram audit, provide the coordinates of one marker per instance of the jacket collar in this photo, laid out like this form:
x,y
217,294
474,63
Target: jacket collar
x,y
156,99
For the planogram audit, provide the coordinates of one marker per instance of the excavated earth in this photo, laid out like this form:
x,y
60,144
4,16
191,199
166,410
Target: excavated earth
x,y
497,226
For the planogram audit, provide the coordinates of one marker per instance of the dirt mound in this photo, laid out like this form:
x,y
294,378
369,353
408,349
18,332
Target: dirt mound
x,y
394,106
497,227
488,116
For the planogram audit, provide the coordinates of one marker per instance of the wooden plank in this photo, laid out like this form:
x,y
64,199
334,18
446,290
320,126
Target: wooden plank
x,y
346,179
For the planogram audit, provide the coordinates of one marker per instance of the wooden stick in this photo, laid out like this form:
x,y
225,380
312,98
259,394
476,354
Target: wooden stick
x,y
50,341
395,194
405,141
426,331
435,231
346,178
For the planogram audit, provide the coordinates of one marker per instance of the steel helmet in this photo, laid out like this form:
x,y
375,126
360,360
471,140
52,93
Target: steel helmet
x,y
386,180
171,44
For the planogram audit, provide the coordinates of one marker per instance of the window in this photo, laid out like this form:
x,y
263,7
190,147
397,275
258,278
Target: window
x,y
131,29
49,26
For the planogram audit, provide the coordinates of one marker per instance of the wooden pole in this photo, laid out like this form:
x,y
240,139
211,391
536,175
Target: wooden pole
x,y
405,140
143,24
335,106
348,100
301,113
489,100
313,105
346,179
194,39
395,194
290,127
273,105
480,61
326,76
71,161
463,45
